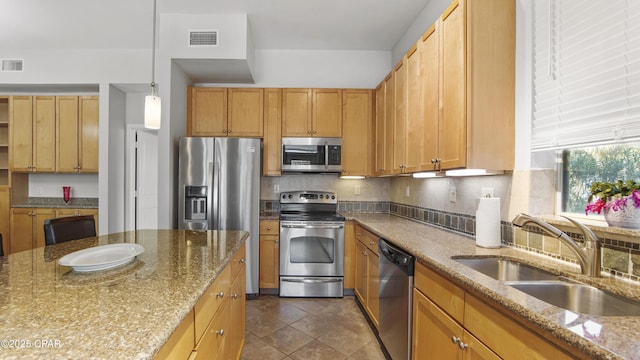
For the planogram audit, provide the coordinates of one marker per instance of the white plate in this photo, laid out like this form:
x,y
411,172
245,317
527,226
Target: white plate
x,y
101,257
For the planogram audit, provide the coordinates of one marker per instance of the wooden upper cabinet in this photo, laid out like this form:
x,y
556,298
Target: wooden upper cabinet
x,y
312,112
327,113
246,109
415,117
206,111
357,135
77,141
218,112
380,143
21,133
452,127
88,129
44,134
67,145
389,121
272,132
430,90
400,119
296,112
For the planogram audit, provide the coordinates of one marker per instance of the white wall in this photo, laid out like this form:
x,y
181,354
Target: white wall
x,y
50,185
112,169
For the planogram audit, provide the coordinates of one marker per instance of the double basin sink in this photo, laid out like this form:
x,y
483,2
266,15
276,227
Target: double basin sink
x,y
552,288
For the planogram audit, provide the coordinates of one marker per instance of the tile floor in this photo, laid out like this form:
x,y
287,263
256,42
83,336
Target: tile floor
x,y
308,328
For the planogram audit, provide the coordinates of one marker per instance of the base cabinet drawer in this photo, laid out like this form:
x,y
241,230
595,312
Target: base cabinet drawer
x,y
212,344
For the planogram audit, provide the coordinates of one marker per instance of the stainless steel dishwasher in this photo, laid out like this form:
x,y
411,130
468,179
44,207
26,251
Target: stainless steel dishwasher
x,y
396,296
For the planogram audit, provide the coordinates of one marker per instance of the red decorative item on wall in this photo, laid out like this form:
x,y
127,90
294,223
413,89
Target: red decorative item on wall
x,y
66,193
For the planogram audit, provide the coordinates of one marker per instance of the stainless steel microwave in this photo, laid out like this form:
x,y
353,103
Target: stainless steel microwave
x,y
312,155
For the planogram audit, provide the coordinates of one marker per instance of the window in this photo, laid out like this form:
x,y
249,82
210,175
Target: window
x,y
583,166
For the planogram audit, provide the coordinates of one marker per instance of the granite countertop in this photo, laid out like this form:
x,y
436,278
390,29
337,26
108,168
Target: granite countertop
x,y
50,311
608,337
56,203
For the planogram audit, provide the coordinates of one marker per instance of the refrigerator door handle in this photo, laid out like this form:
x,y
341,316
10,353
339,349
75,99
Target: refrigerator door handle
x,y
215,208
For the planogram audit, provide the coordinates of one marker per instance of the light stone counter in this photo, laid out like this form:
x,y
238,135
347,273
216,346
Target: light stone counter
x,y
49,311
599,337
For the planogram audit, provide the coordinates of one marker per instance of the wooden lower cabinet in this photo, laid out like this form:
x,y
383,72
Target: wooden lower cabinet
x,y
349,255
437,336
269,254
367,278
449,323
215,327
27,228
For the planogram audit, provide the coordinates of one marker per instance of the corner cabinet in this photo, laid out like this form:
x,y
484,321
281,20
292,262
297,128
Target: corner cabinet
x,y
476,73
450,323
357,132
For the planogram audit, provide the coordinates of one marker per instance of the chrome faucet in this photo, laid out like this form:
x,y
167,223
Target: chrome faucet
x,y
589,257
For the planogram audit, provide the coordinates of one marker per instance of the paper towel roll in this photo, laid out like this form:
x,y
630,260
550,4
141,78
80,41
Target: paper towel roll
x,y
488,222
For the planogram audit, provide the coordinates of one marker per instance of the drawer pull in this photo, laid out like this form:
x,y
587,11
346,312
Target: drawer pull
x,y
241,261
220,332
220,294
235,296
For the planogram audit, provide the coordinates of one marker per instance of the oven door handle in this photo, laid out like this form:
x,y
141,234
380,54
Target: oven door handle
x,y
312,226
312,281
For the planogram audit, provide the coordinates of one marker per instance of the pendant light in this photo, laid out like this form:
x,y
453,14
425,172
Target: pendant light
x,y
152,102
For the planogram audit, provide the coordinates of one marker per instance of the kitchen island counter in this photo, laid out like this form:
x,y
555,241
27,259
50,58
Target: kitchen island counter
x,y
49,311
598,337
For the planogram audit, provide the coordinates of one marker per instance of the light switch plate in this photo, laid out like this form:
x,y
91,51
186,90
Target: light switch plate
x,y
452,193
276,188
356,191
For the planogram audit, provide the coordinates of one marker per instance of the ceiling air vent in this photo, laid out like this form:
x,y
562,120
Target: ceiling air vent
x,y
203,38
11,64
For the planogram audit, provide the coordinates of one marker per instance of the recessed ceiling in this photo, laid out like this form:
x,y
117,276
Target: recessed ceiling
x,y
274,24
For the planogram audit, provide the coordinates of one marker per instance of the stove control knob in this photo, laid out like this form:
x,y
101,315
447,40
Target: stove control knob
x,y
321,196
290,196
333,197
284,196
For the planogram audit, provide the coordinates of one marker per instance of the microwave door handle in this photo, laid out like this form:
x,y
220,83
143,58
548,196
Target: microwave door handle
x,y
326,155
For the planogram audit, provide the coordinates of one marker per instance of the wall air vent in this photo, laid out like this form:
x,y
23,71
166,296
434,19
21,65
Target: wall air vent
x,y
11,65
203,38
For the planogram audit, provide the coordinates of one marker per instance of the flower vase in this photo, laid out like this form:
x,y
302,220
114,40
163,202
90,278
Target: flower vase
x,y
624,215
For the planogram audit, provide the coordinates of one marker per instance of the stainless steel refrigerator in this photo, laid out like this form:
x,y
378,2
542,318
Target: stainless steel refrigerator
x,y
219,189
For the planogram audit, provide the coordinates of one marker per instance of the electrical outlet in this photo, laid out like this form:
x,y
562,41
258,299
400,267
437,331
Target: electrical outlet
x,y
407,191
486,192
452,193
356,191
276,188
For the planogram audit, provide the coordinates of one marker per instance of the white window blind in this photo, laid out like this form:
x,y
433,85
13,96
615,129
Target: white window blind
x,y
586,72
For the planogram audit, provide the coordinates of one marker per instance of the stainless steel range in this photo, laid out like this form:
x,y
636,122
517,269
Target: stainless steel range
x,y
311,245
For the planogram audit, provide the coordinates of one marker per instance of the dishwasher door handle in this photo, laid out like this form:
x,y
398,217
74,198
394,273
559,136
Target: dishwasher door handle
x,y
312,281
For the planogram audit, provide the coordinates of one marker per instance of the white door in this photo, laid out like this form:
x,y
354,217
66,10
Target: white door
x,y
146,181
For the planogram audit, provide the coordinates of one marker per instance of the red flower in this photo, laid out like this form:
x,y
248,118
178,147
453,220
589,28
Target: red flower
x,y
595,207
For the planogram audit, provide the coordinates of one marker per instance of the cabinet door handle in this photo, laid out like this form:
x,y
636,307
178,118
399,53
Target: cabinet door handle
x,y
308,131
234,296
462,345
220,332
220,294
228,131
371,242
241,261
455,339
315,132
268,227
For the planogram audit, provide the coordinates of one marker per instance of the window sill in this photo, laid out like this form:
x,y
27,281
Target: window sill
x,y
599,227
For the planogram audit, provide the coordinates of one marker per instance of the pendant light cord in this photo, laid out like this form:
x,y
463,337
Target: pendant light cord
x,y
153,52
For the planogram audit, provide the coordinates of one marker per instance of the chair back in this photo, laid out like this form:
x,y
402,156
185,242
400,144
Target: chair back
x,y
68,228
